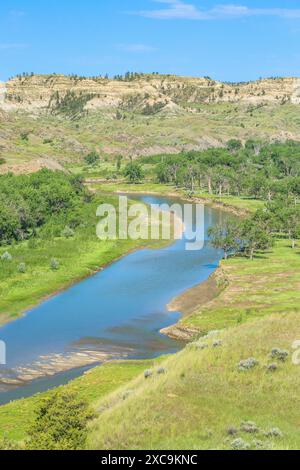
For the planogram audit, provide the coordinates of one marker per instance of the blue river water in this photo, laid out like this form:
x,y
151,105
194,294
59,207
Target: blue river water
x,y
118,312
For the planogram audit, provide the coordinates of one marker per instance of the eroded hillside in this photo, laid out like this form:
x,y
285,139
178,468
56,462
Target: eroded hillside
x,y
50,119
50,92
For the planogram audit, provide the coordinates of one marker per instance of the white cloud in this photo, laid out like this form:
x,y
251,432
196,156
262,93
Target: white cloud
x,y
178,9
233,11
4,47
136,48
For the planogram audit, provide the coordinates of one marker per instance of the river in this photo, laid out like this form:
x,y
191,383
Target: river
x,y
117,313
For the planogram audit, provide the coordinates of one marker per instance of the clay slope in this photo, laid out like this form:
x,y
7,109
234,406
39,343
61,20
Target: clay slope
x,y
148,94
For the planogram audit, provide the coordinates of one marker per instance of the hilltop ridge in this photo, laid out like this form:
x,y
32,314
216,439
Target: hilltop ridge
x,y
50,120
138,92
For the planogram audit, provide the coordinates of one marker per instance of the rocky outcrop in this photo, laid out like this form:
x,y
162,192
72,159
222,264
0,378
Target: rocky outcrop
x,y
148,94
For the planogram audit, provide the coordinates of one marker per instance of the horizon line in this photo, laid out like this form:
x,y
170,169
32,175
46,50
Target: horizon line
x,y
113,77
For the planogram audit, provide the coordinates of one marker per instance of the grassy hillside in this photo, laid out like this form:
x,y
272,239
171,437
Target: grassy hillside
x,y
51,139
16,417
233,387
202,400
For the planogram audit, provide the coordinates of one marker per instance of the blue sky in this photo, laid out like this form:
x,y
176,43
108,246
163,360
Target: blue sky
x,y
225,39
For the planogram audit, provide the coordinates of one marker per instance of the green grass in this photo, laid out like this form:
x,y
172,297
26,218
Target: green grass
x,y
268,284
203,394
16,417
123,186
70,141
243,203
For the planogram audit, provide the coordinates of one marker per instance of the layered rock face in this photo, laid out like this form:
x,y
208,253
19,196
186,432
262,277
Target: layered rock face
x,y
144,93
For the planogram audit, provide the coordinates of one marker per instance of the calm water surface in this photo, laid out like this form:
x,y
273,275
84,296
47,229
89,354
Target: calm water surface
x,y
119,311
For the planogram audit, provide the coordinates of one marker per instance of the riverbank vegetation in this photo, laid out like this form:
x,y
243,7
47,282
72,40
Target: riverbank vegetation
x,y
18,417
234,386
227,389
265,177
48,237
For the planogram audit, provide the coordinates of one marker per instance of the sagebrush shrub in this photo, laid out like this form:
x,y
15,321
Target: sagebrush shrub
x,y
148,373
249,427
6,257
161,370
232,431
247,364
280,354
272,367
240,444
22,268
67,232
274,432
54,264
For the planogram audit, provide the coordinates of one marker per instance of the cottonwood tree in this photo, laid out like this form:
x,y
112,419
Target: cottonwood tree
x,y
254,238
224,237
291,221
134,172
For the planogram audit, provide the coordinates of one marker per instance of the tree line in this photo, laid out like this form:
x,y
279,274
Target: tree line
x,y
253,170
268,172
43,202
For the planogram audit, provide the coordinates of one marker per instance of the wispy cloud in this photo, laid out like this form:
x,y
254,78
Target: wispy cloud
x,y
135,48
17,13
179,10
176,10
4,47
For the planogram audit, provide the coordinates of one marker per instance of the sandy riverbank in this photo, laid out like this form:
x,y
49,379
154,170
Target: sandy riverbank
x,y
191,300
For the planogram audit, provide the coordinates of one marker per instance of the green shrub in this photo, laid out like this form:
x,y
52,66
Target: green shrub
x,y
161,370
134,172
24,136
6,444
54,264
249,427
38,202
148,374
232,431
274,432
60,423
6,257
247,364
240,444
279,354
272,367
21,268
67,232
92,159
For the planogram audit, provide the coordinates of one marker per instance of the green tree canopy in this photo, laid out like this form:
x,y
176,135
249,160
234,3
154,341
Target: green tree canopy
x,y
134,172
